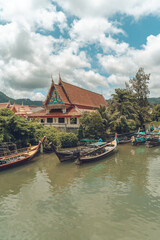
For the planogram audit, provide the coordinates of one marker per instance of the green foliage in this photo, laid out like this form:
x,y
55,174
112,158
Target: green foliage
x,y
4,98
80,132
103,112
122,111
92,124
22,132
139,88
154,100
68,139
156,113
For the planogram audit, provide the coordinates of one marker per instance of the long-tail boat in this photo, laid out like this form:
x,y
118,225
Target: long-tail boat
x,y
70,155
139,138
98,153
154,140
20,158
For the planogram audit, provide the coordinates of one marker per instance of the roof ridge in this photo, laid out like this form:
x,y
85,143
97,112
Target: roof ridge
x,y
64,90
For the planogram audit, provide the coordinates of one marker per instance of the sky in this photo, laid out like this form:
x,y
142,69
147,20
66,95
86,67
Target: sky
x,y
95,44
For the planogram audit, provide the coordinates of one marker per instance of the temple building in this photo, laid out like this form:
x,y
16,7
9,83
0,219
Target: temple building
x,y
21,110
65,103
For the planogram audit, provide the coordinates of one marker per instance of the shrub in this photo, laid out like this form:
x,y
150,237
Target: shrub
x,y
68,139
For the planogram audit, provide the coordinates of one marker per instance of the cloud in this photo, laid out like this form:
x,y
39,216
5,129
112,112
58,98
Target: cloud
x,y
37,97
109,8
126,65
92,29
77,39
32,14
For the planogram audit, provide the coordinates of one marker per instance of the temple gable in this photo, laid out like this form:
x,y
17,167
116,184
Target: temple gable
x,y
54,98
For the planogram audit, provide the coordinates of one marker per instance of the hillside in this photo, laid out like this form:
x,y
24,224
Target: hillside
x,y
150,100
154,100
26,101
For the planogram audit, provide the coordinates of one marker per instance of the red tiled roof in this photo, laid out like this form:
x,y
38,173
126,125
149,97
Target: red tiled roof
x,y
62,94
56,114
16,108
82,97
3,105
27,109
73,95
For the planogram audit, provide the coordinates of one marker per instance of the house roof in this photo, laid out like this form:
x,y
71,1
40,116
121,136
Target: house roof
x,y
81,97
23,108
71,112
4,105
60,91
73,95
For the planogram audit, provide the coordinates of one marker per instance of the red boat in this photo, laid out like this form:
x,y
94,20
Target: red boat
x,y
20,158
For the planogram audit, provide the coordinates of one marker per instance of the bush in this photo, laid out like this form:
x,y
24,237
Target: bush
x,y
93,126
22,132
67,139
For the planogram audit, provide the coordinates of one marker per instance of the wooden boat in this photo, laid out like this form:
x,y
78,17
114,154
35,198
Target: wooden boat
x,y
98,153
70,155
154,140
124,141
7,148
20,158
138,138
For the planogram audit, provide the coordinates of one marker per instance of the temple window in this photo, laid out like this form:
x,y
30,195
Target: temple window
x,y
42,120
49,120
60,120
73,120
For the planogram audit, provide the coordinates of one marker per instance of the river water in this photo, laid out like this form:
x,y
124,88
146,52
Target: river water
x,y
115,198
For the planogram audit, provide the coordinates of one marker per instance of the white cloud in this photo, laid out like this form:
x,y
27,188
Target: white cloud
x,y
125,66
28,56
108,8
118,64
92,29
32,14
37,97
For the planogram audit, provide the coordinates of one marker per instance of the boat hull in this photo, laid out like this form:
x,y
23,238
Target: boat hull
x,y
19,159
151,144
106,151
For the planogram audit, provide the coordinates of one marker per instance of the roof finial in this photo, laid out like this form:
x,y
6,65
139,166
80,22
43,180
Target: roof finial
x,y
60,80
52,79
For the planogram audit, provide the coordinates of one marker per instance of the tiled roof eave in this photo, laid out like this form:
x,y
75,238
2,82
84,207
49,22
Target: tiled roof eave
x,y
58,116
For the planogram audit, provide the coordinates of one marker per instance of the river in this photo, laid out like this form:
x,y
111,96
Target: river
x,y
113,199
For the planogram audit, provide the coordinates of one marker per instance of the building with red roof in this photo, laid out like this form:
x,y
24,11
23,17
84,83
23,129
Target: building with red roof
x,y
21,110
65,104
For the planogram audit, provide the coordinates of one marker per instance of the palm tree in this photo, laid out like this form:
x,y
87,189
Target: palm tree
x,y
103,112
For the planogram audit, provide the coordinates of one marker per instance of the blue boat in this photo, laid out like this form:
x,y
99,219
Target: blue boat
x,y
139,138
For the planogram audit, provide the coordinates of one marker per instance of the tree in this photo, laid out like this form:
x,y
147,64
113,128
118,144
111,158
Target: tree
x,y
92,124
122,111
139,87
103,112
156,113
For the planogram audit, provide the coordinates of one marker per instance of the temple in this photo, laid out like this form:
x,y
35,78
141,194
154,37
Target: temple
x,y
65,103
21,110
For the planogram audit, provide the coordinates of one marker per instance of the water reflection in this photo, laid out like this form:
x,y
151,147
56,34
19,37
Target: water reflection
x,y
12,180
117,197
